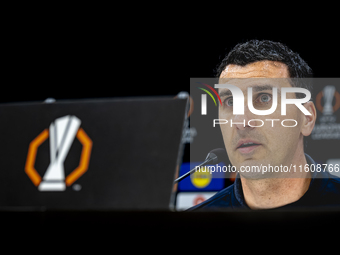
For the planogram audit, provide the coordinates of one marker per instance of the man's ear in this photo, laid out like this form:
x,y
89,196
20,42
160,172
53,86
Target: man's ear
x,y
308,121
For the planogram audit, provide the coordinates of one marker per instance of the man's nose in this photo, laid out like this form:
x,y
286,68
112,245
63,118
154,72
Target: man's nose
x,y
246,121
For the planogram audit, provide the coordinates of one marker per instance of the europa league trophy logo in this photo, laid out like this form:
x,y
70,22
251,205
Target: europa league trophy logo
x,y
62,133
328,93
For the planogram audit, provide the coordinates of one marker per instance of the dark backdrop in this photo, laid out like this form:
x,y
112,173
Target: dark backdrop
x,y
81,61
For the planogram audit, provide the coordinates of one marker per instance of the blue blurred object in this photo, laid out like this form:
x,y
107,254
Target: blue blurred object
x,y
201,181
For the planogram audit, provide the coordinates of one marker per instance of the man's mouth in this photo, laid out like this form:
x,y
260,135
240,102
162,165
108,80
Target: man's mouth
x,y
247,146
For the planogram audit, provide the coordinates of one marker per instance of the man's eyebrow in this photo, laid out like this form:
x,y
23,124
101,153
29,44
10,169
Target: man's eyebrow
x,y
225,93
259,88
256,88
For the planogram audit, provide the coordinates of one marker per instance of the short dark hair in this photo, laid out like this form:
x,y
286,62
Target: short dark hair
x,y
255,50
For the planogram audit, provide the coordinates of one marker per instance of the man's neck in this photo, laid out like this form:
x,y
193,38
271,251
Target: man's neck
x,y
275,192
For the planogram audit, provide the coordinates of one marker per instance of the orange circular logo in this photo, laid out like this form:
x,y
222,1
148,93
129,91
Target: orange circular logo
x,y
320,95
199,199
75,174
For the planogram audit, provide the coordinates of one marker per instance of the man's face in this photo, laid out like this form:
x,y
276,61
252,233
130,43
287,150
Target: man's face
x,y
276,145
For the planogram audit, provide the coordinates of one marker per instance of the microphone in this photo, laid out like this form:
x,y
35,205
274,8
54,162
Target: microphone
x,y
214,157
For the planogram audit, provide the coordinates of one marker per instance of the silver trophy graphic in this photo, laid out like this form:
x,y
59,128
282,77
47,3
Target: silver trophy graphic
x,y
328,94
62,133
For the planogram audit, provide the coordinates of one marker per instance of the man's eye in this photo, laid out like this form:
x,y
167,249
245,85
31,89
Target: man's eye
x,y
229,102
265,98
